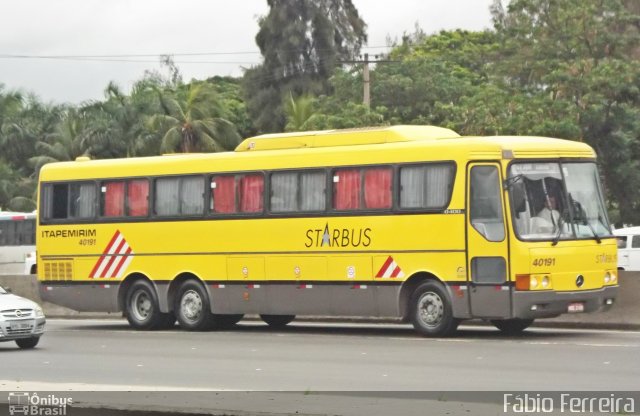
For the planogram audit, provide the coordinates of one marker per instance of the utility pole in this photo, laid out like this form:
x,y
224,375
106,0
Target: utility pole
x,y
366,100
366,96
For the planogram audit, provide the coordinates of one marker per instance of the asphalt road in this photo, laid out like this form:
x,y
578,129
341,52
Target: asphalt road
x,y
83,355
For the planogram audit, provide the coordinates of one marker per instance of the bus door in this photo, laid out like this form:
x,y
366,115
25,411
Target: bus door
x,y
487,244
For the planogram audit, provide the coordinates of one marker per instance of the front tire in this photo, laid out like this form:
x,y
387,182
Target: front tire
x,y
192,308
142,309
512,326
27,343
277,321
430,311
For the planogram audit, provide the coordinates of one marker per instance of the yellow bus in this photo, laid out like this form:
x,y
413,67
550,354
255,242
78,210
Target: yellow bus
x,y
406,221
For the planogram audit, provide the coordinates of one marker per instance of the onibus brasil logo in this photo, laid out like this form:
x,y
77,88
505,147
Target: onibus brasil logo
x,y
24,403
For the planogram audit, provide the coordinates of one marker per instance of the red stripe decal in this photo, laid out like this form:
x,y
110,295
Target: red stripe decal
x,y
95,268
386,264
396,271
122,260
113,258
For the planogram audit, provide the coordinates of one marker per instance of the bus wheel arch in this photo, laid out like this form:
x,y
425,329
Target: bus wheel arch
x,y
408,287
427,304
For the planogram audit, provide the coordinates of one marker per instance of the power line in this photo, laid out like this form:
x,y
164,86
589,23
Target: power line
x,y
148,55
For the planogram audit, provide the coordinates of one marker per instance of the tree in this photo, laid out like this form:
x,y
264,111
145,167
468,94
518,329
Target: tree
x,y
580,55
191,122
301,43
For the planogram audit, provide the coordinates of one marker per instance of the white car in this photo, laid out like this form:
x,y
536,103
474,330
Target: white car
x,y
21,320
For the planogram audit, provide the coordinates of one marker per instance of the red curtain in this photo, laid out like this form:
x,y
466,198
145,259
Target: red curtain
x,y
113,199
224,194
346,194
251,193
138,197
377,188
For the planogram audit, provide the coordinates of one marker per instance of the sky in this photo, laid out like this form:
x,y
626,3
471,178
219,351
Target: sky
x,y
219,35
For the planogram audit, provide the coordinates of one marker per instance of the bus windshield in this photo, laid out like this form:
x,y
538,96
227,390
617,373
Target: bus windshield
x,y
557,201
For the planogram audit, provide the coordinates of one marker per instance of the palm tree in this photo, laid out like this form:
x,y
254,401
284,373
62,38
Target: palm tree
x,y
298,111
64,144
191,122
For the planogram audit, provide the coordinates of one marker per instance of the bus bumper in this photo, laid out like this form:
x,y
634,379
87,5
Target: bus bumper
x,y
531,305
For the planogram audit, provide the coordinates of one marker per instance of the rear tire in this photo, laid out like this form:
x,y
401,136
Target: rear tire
x,y
277,321
512,326
192,308
27,343
141,306
430,311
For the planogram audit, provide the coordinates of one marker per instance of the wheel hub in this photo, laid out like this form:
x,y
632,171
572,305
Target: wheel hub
x,y
430,309
142,306
191,305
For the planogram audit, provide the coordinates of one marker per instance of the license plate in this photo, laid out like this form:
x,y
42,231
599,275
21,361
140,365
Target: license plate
x,y
575,307
20,325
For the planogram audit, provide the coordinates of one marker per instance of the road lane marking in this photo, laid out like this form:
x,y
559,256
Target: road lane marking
x,y
27,385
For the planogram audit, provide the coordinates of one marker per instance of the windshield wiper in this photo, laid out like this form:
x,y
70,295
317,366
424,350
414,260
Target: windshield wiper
x,y
556,238
595,234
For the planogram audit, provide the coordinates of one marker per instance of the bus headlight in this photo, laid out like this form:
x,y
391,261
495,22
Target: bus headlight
x,y
545,282
533,282
614,277
607,278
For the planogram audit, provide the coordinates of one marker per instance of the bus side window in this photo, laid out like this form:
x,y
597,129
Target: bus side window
x,y
313,191
4,231
223,194
55,201
138,198
112,199
426,186
82,197
377,188
284,192
251,192
346,189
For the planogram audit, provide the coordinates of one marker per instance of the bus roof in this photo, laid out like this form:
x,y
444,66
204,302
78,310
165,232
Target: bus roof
x,y
329,148
344,137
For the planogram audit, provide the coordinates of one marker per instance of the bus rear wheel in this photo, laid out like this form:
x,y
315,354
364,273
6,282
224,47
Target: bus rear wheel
x,y
430,311
512,326
192,308
277,321
141,307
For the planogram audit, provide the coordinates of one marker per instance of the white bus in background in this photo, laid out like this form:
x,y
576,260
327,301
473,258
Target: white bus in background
x,y
17,242
628,248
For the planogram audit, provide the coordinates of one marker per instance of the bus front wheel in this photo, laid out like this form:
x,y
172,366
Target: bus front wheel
x,y
430,311
512,326
277,321
142,308
192,307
